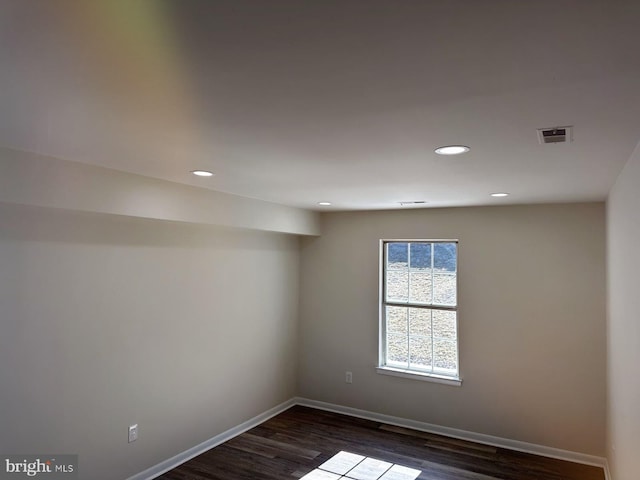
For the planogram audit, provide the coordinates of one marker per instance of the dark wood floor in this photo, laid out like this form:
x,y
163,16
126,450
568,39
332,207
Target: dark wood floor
x,y
297,441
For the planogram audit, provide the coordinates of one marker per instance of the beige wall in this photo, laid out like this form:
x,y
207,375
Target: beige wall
x,y
107,321
531,321
623,412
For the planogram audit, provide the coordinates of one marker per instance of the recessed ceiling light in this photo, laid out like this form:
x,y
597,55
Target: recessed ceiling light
x,y
500,194
324,204
202,173
452,150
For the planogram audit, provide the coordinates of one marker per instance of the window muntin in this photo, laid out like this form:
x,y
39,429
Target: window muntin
x,y
419,307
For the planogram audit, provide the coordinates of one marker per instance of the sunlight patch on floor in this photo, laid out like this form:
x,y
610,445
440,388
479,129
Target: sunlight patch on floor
x,y
347,465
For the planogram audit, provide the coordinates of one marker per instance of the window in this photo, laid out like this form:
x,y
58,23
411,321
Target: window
x,y
418,309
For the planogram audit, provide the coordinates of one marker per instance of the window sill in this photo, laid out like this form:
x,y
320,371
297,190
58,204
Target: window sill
x,y
425,377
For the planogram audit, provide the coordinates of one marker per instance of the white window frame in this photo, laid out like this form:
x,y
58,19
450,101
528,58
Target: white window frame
x,y
416,374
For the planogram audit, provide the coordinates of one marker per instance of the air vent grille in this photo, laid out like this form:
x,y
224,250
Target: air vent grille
x,y
555,135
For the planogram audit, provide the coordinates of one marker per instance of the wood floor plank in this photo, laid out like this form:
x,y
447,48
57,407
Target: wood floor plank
x,y
434,438
271,448
297,441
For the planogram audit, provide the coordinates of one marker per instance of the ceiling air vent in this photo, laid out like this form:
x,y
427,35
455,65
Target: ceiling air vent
x,y
555,135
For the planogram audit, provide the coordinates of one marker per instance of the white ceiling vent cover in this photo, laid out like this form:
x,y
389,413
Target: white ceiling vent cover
x,y
555,135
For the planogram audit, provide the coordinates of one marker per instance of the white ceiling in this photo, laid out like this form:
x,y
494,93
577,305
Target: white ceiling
x,y
301,101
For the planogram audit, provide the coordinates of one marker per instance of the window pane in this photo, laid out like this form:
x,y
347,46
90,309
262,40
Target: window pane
x,y
397,350
445,354
444,289
397,320
397,255
420,348
420,287
444,324
445,256
397,285
420,255
419,321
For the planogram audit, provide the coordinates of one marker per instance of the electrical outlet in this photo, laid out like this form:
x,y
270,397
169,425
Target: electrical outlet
x,y
133,433
348,377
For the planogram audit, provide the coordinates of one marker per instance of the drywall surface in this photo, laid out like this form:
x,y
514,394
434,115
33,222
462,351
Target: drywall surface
x,y
108,321
623,405
531,321
36,180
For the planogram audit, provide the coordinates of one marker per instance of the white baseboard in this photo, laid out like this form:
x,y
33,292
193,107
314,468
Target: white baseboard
x,y
461,434
517,445
607,471
179,459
